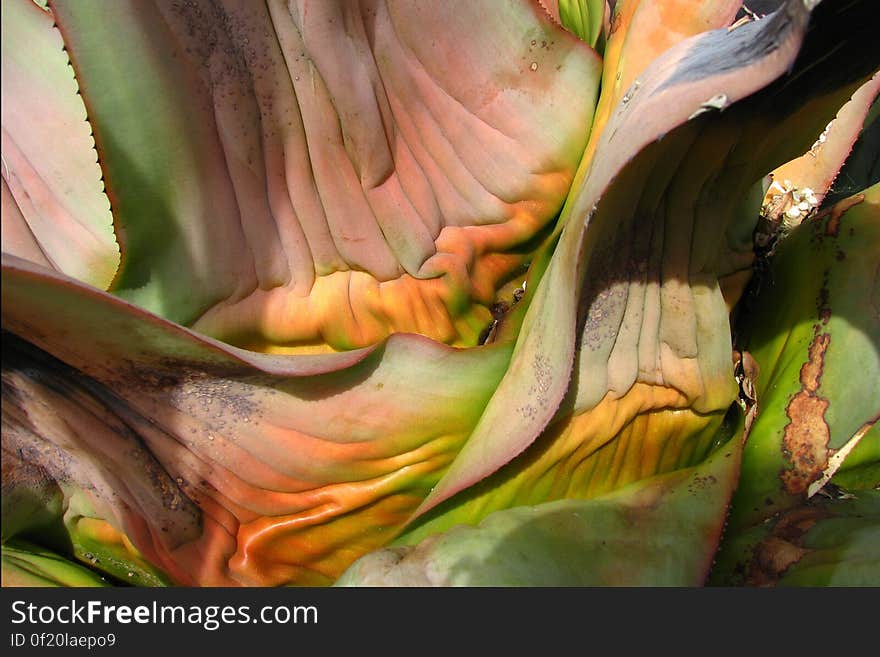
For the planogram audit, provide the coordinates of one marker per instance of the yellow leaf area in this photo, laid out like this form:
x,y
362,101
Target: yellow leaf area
x,y
350,309
310,548
649,430
225,474
100,545
582,456
309,537
292,490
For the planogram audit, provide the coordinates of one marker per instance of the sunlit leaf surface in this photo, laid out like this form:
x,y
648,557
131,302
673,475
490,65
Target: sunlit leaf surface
x,y
632,295
225,466
340,173
307,178
815,331
679,516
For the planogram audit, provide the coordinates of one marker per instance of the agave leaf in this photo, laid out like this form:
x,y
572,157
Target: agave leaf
x,y
862,168
645,341
223,466
654,31
25,564
585,18
18,238
812,327
639,32
60,516
329,152
96,410
661,531
232,454
100,545
818,168
861,468
823,542
60,215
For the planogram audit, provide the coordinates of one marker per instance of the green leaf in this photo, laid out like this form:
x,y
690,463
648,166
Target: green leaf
x,y
42,501
25,564
818,168
823,542
861,469
661,531
584,18
814,332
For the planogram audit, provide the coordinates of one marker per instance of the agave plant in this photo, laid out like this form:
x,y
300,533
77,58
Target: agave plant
x,y
400,292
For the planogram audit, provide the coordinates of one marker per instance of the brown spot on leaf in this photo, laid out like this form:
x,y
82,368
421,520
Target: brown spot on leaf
x,y
805,441
811,372
784,547
832,228
616,20
700,483
794,525
772,558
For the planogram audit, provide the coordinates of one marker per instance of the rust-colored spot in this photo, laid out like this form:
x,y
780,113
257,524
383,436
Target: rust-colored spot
x,y
805,441
616,20
832,228
794,525
811,372
772,558
784,547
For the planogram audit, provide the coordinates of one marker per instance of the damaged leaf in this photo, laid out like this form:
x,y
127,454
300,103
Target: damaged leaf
x,y
815,327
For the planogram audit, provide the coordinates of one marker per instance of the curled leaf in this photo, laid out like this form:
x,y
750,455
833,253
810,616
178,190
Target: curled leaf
x,y
630,309
29,565
222,466
661,531
799,186
337,175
